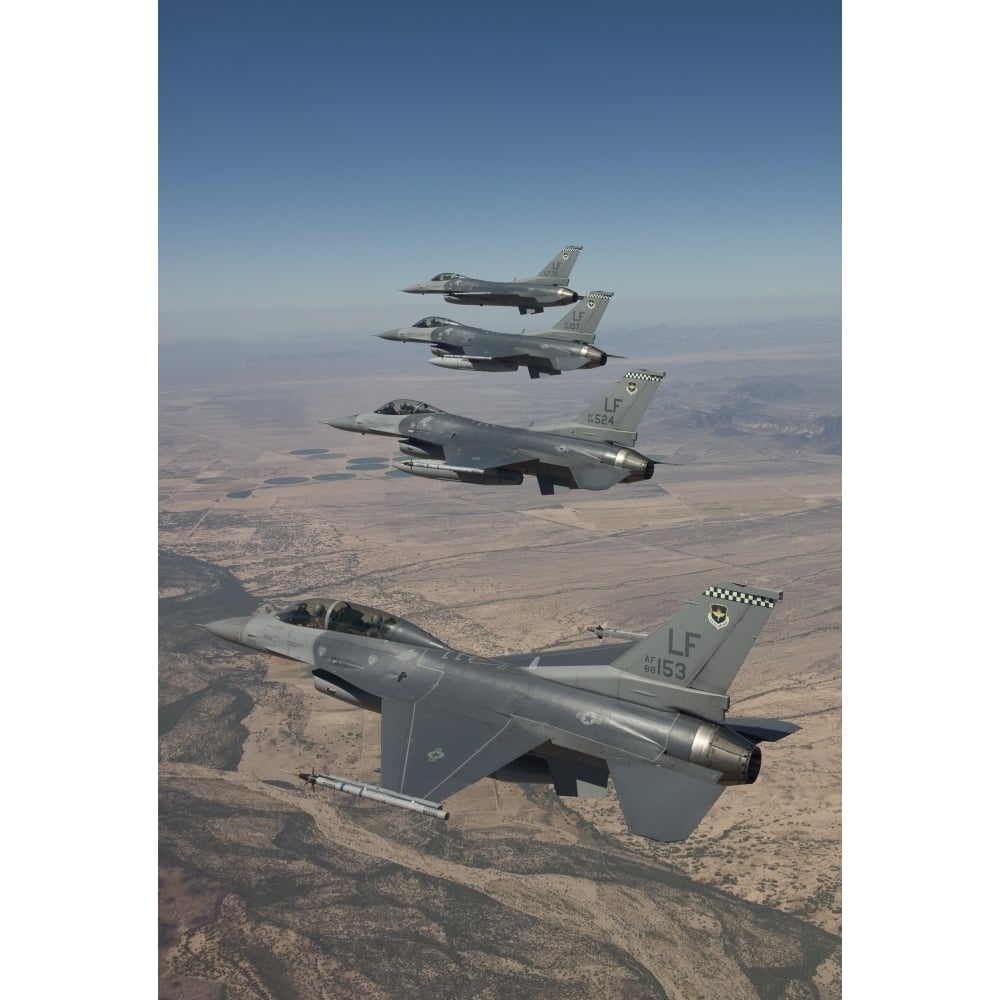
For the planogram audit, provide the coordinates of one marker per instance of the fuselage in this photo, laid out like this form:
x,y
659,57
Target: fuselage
x,y
457,346
461,290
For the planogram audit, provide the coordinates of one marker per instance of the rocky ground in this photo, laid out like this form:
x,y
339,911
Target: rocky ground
x,y
267,891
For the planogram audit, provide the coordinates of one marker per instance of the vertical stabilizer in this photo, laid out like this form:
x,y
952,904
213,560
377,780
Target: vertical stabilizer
x,y
557,271
614,416
580,323
704,645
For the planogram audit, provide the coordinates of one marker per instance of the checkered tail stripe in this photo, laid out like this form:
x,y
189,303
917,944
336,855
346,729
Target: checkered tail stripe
x,y
739,596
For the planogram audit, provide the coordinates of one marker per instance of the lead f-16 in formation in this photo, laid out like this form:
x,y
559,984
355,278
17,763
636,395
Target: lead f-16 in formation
x,y
566,347
650,713
534,294
592,451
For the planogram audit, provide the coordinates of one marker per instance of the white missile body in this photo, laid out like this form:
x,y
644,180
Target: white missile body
x,y
375,792
606,632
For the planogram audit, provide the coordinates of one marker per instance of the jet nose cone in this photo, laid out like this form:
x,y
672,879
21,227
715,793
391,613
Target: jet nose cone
x,y
230,629
417,289
343,423
389,334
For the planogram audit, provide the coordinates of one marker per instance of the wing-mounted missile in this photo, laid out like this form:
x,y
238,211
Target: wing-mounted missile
x,y
608,632
375,792
431,469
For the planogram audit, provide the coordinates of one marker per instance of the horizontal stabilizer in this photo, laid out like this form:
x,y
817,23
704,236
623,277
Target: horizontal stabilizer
x,y
662,803
759,730
597,477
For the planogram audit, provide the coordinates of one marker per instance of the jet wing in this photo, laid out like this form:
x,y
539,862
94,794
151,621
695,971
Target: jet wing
x,y
432,751
663,803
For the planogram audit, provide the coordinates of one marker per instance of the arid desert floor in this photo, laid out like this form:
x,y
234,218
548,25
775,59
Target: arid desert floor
x,y
267,890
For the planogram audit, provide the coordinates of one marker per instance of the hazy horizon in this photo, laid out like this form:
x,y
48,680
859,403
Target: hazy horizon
x,y
180,326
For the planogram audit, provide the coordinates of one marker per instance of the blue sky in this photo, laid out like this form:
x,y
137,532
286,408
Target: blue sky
x,y
317,155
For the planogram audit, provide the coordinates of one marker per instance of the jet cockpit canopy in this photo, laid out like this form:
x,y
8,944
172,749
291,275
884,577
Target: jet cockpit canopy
x,y
430,322
401,407
333,615
446,276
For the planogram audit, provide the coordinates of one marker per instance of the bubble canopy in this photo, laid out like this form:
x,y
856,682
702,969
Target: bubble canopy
x,y
351,618
401,407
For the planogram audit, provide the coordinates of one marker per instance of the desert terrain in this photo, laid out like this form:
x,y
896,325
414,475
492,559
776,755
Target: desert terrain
x,y
267,890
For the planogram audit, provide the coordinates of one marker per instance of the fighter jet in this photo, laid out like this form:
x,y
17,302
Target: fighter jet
x,y
567,346
649,713
547,288
593,451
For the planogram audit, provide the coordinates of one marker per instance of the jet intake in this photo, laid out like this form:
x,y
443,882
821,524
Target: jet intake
x,y
441,470
421,449
337,687
722,749
457,363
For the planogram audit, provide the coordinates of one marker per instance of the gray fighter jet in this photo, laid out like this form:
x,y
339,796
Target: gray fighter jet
x,y
592,451
651,713
567,346
547,288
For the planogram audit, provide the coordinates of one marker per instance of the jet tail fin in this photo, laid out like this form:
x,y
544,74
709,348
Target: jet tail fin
x,y
615,415
580,323
698,652
557,271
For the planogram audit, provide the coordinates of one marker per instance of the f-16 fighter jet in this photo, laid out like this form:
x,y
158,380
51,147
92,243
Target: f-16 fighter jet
x,y
650,713
567,346
547,288
592,451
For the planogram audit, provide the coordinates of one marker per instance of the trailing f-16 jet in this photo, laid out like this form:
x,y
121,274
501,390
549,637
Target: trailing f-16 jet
x,y
567,346
650,713
592,451
547,288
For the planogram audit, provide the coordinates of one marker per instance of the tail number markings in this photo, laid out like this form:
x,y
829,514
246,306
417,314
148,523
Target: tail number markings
x,y
665,668
672,668
607,418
